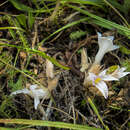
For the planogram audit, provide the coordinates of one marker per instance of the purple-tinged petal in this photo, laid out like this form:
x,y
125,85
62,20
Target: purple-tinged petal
x,y
103,89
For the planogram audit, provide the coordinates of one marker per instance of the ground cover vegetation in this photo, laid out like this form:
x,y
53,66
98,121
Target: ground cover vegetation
x,y
64,64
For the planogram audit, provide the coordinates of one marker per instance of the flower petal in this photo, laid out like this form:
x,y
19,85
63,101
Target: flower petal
x,y
33,87
119,72
36,102
120,75
115,47
103,88
105,45
103,72
25,91
99,34
109,78
111,38
40,93
92,76
121,69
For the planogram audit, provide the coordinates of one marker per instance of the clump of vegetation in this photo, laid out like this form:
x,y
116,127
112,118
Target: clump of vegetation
x,y
52,45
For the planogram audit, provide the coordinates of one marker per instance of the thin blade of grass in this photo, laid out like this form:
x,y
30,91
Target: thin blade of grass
x,y
33,51
5,128
97,113
18,5
63,28
119,28
97,3
48,123
16,28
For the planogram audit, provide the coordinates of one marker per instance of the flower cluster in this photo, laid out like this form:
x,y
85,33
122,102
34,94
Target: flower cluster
x,y
95,76
99,81
37,92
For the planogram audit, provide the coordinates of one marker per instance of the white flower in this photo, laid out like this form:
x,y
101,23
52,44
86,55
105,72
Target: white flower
x,y
35,92
99,82
105,45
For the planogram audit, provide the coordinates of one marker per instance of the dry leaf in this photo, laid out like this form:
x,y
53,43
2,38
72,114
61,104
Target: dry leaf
x,y
84,60
95,68
49,69
53,83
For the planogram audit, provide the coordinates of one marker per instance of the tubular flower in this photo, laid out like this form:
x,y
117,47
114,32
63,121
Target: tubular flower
x,y
105,45
35,92
107,75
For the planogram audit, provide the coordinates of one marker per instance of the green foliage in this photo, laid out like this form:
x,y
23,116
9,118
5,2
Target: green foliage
x,y
17,22
124,50
121,7
118,6
64,27
77,34
6,57
126,63
6,107
83,102
48,123
5,128
16,28
18,5
40,53
21,34
18,70
103,22
129,124
31,20
26,22
28,72
97,113
98,3
12,32
22,20
18,85
126,6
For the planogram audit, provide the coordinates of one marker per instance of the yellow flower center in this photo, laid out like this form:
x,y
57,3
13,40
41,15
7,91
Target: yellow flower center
x,y
97,80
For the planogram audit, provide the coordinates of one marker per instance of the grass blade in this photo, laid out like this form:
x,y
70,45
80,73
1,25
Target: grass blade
x,y
18,5
63,28
48,123
119,28
16,28
97,113
34,51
